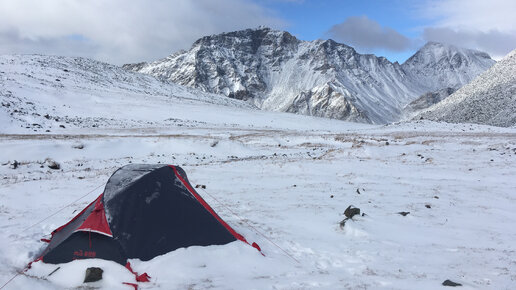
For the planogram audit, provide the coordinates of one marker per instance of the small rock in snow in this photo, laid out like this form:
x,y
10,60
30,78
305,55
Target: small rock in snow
x,y
15,164
451,283
404,213
93,274
78,146
52,164
428,206
351,211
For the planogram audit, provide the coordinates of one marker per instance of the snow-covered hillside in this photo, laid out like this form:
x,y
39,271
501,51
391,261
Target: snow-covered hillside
x,y
275,71
490,99
50,93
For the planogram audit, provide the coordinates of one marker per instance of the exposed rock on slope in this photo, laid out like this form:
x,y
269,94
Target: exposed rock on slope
x,y
275,71
426,100
489,99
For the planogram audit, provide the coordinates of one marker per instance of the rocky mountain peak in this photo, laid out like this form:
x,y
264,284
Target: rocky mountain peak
x,y
433,53
437,65
251,39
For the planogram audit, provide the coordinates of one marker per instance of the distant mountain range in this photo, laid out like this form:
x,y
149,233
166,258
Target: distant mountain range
x,y
489,99
274,70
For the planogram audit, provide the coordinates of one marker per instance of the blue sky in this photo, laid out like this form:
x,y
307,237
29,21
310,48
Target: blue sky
x,y
311,19
489,26
124,31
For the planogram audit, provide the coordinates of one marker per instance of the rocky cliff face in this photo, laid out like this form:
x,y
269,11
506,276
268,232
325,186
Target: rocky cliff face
x,y
275,71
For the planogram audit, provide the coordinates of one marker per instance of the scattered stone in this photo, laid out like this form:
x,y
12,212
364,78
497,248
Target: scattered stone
x,y
386,142
331,196
358,190
351,211
78,146
93,274
451,283
294,185
428,206
215,143
404,213
62,126
52,164
15,164
436,197
200,186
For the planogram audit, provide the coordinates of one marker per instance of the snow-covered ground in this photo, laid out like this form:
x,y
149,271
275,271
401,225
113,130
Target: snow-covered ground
x,y
281,182
279,179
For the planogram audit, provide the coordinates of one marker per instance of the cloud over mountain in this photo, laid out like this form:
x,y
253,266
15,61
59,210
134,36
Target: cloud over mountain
x,y
365,33
120,31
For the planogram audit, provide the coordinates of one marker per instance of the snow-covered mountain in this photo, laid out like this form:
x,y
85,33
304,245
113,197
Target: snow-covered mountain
x,y
275,71
41,93
489,99
437,66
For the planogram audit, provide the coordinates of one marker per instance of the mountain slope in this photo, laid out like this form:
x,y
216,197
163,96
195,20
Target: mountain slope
x,y
42,93
490,99
275,71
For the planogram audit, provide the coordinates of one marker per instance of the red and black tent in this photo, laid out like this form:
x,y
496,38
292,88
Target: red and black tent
x,y
145,211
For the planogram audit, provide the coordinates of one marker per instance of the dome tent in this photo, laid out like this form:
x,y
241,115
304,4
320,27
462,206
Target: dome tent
x,y
145,211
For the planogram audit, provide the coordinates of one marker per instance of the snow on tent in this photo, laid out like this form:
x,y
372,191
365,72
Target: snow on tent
x,y
145,211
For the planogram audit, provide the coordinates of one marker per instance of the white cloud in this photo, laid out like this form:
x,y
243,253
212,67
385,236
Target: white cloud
x,y
494,42
121,31
486,25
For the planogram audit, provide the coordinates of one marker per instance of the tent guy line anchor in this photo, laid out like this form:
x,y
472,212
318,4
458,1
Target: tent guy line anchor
x,y
250,226
61,209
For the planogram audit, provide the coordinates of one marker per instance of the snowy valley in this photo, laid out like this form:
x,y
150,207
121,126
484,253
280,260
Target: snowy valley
x,y
282,180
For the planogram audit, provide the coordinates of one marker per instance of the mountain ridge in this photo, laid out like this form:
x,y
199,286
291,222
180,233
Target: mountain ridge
x,y
274,70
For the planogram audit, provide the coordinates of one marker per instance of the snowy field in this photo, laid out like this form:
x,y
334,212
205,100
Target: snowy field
x,y
281,180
